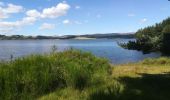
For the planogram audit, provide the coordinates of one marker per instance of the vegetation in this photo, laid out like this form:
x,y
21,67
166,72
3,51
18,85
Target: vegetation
x,y
134,81
36,75
97,36
75,75
152,38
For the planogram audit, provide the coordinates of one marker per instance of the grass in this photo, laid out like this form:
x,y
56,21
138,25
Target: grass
x,y
77,75
36,75
145,80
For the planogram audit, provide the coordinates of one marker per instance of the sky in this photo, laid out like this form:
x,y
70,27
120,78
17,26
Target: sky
x,y
74,17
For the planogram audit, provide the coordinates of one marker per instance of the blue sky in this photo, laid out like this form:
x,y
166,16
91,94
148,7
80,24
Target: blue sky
x,y
58,17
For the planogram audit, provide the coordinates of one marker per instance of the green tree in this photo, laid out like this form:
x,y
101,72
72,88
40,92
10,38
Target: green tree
x,y
166,29
166,40
152,38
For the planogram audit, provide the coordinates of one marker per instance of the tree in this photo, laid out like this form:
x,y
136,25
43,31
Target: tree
x,y
153,38
166,40
166,29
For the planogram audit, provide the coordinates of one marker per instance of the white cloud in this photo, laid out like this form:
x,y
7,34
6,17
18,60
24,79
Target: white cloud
x,y
2,14
31,16
131,15
52,12
143,20
13,9
33,13
77,7
8,27
66,21
46,26
57,11
24,21
9,9
28,20
9,24
72,22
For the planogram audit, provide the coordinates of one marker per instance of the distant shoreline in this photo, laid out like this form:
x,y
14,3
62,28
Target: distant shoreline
x,y
79,37
84,38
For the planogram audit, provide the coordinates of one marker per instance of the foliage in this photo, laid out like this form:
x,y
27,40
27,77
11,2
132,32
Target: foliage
x,y
146,80
75,75
35,75
152,38
166,29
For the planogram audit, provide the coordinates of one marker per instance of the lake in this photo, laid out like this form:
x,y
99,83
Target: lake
x,y
107,48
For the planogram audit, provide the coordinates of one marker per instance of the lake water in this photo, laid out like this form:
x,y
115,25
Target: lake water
x,y
107,48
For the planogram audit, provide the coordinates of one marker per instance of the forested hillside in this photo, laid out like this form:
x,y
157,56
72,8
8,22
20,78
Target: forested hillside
x,y
152,38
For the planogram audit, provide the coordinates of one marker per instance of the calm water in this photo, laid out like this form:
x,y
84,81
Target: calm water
x,y
107,48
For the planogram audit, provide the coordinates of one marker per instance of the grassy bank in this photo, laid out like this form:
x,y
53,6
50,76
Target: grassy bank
x,y
36,75
75,75
146,80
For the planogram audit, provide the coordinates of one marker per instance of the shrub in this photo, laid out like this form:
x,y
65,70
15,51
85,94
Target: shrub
x,y
35,75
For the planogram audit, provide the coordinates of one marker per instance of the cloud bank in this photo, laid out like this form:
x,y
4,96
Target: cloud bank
x,y
31,16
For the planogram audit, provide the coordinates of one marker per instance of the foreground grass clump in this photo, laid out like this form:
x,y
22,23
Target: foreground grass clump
x,y
36,75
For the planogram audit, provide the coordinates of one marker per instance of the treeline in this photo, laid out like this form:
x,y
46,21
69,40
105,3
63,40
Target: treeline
x,y
14,37
152,38
110,35
97,36
22,37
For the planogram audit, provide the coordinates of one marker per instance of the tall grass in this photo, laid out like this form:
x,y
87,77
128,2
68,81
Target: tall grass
x,y
35,75
156,61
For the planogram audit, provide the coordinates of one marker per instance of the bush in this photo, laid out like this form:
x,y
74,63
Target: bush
x,y
35,75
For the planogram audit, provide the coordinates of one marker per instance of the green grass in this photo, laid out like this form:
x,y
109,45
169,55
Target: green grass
x,y
77,75
145,80
33,76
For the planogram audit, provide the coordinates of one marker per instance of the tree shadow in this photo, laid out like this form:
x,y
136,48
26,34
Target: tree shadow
x,y
146,87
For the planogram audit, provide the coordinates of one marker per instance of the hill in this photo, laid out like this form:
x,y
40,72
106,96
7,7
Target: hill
x,y
96,36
